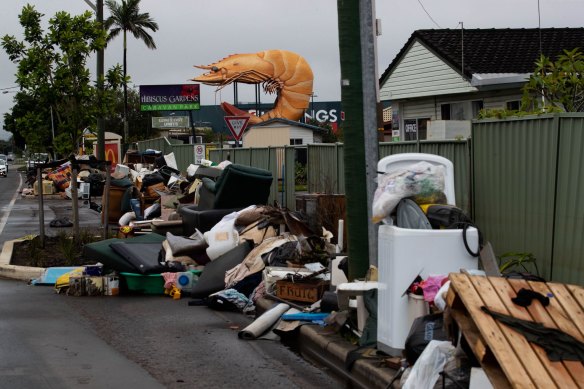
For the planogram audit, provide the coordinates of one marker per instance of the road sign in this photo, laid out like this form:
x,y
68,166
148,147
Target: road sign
x,y
237,125
199,154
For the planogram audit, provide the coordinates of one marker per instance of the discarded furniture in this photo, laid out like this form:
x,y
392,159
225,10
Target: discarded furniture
x,y
103,252
237,187
405,253
506,356
345,293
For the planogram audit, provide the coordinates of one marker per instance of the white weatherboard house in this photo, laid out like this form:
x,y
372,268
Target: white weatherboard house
x,y
281,132
441,79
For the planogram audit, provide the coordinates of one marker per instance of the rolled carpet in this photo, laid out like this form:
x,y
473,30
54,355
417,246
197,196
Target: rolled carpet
x,y
263,323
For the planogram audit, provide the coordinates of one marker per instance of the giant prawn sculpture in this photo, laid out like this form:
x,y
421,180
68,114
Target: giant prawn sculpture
x,y
280,71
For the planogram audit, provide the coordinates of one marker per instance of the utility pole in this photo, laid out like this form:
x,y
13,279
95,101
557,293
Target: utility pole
x,y
359,96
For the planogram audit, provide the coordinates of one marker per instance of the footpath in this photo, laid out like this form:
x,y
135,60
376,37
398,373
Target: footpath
x,y
319,345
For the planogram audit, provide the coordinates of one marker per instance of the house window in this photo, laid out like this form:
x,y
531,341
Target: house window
x,y
477,105
513,105
452,111
295,141
415,129
410,129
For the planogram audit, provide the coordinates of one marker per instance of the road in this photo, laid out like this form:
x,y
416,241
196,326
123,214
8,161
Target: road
x,y
130,341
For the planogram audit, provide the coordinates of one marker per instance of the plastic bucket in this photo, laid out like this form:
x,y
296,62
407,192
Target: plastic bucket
x,y
417,307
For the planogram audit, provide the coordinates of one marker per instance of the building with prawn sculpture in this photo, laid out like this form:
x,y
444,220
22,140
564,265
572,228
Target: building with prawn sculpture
x,y
280,72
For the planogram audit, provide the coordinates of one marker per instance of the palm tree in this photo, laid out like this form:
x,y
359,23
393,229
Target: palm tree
x,y
126,16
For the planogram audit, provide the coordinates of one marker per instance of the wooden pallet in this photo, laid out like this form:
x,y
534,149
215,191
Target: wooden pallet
x,y
508,359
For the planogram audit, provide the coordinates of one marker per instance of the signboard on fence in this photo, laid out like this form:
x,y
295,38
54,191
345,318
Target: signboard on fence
x,y
171,122
199,154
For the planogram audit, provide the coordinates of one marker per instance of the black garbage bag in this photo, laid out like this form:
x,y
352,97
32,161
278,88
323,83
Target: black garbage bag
x,y
151,179
423,330
96,184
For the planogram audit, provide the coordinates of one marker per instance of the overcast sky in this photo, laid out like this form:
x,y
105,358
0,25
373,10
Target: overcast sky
x,y
200,32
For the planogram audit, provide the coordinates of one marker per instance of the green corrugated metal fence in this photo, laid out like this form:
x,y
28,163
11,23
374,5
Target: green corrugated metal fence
x,y
528,184
326,165
521,179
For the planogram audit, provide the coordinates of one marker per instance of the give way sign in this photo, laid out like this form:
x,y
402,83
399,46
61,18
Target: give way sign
x,y
236,125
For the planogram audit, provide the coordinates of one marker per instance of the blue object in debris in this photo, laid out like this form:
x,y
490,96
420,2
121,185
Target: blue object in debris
x,y
50,275
304,316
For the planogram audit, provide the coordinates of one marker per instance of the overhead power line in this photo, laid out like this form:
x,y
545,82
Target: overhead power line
x,y
427,13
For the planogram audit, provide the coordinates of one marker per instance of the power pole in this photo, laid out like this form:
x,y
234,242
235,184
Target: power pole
x,y
359,96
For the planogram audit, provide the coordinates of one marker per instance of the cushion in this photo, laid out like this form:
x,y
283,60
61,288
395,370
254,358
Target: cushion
x,y
144,256
186,246
213,277
209,184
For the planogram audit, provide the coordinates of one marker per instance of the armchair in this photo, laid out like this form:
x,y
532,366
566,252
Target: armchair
x,y
237,187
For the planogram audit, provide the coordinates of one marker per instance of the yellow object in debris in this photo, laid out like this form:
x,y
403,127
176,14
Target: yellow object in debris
x,y
173,292
63,281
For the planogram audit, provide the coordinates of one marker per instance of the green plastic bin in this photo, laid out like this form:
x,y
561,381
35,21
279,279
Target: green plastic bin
x,y
144,283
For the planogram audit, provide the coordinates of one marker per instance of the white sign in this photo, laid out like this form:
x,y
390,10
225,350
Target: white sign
x,y
171,122
199,153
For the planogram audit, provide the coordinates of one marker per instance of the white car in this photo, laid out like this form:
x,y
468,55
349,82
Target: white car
x,y
3,168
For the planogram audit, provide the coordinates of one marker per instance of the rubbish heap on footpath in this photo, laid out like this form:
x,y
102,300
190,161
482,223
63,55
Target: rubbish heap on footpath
x,y
426,313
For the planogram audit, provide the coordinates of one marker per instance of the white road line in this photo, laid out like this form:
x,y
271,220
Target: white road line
x,y
7,213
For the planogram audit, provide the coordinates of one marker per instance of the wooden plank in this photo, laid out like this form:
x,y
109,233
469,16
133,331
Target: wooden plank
x,y
556,311
491,333
480,349
556,370
471,334
571,307
578,293
540,314
519,345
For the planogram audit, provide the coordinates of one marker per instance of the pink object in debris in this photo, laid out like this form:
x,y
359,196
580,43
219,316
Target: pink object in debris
x,y
431,286
169,280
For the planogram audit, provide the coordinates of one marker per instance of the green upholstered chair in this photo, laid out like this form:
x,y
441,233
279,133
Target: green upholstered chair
x,y
237,187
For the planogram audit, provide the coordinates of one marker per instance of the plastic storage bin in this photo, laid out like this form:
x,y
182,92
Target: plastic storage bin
x,y
144,283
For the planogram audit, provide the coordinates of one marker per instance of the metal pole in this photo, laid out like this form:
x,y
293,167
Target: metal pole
x,y
370,104
105,201
41,207
74,197
53,132
359,91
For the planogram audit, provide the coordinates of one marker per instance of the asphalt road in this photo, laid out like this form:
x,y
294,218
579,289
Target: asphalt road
x,y
58,341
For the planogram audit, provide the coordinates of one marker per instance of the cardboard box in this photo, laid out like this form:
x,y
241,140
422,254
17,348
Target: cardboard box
x,y
48,187
305,291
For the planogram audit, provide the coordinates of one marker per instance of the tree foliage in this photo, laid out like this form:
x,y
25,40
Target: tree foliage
x,y
553,87
126,17
556,86
52,76
329,135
